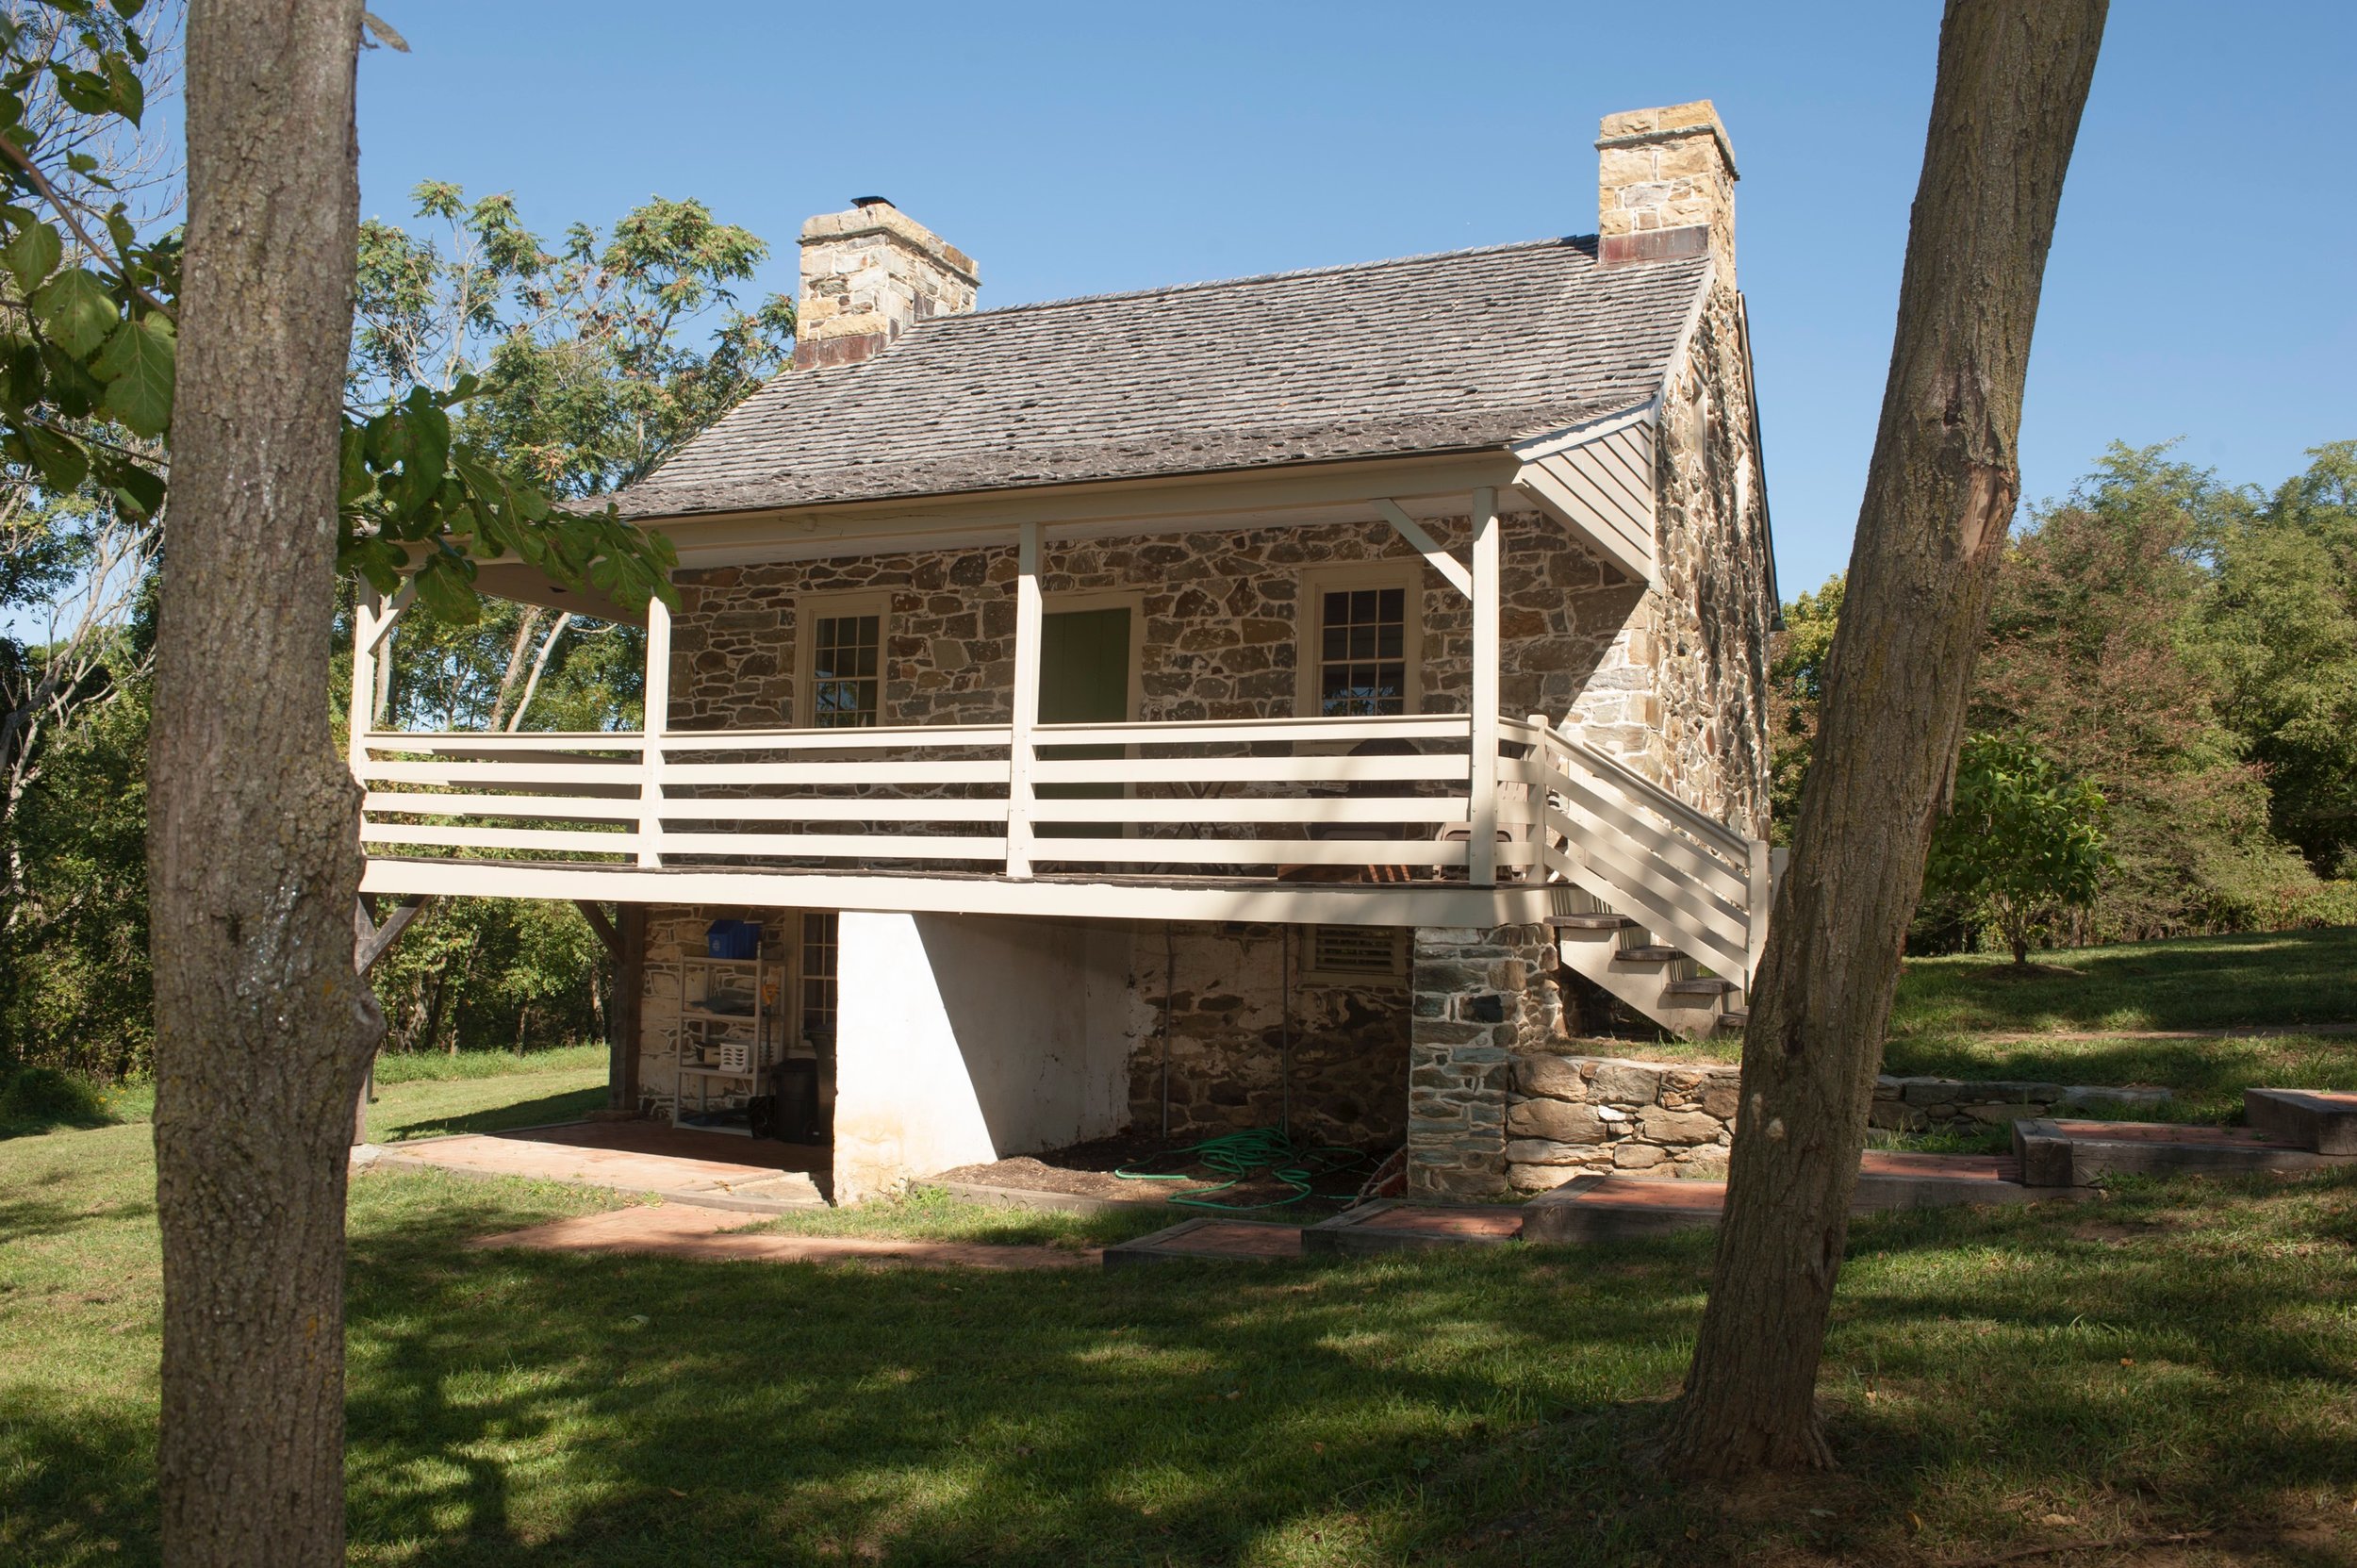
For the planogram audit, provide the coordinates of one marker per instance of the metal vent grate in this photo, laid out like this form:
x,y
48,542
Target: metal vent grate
x,y
1356,950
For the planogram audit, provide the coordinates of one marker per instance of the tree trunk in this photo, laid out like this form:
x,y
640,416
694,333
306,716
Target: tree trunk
x,y
1940,497
262,1028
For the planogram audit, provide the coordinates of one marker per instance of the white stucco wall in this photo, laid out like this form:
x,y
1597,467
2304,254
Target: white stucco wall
x,y
962,1039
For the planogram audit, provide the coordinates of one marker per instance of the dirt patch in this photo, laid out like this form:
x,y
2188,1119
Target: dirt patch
x,y
1089,1170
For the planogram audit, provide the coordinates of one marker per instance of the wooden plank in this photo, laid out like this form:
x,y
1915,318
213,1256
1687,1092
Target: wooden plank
x,y
1251,769
1435,809
846,773
1611,461
1711,832
729,808
471,837
443,743
623,1022
898,737
1584,521
1607,503
1022,762
375,941
1255,731
1105,896
838,845
588,808
657,718
1253,851
1424,544
607,937
1716,877
1673,910
1482,810
518,774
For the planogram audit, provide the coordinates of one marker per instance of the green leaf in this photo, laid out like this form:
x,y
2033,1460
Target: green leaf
x,y
62,462
129,8
85,91
136,365
32,254
129,96
77,310
137,490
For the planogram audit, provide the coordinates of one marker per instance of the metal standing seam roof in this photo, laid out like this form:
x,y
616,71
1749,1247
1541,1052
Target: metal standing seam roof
x,y
1463,349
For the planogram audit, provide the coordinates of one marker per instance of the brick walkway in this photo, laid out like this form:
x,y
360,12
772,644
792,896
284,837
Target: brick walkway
x,y
638,1157
712,1235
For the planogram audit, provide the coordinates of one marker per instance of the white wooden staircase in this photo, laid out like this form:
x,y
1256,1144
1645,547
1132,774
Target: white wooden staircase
x,y
1662,907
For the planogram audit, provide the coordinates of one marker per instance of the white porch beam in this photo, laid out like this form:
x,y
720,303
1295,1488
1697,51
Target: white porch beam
x,y
1481,863
1026,703
1439,560
657,720
365,639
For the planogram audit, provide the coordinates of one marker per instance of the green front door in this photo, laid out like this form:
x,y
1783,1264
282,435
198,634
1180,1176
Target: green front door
x,y
1083,679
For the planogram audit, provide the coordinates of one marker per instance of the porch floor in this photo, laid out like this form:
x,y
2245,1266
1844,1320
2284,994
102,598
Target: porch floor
x,y
711,1171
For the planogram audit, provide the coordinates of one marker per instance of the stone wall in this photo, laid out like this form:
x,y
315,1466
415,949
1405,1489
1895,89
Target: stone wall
x,y
1681,694
1482,999
1220,613
1573,1116
1233,1024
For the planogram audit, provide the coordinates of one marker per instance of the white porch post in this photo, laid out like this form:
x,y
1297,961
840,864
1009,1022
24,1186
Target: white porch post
x,y
658,719
1481,856
363,640
1026,703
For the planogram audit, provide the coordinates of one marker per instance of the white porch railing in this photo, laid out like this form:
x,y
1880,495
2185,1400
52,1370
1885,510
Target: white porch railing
x,y
1251,797
1698,885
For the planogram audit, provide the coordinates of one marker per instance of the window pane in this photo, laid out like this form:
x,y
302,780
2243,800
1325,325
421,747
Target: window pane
x,y
846,659
1363,647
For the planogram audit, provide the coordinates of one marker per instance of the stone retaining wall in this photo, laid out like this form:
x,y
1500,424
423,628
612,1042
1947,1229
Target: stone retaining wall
x,y
1572,1116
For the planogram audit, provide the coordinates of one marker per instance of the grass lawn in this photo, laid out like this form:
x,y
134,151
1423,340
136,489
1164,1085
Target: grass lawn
x,y
2181,1357
2086,1016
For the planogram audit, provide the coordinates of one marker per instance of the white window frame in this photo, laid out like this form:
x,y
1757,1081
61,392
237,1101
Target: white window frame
x,y
1310,625
812,609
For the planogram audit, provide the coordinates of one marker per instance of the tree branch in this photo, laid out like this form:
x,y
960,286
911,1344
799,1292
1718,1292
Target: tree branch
x,y
66,210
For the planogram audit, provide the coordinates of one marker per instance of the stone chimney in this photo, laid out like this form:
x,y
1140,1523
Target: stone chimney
x,y
869,276
1665,186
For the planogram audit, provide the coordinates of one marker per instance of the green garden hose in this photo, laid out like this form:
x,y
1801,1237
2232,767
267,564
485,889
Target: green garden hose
x,y
1241,1156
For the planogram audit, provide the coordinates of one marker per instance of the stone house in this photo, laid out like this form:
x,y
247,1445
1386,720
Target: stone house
x,y
1272,699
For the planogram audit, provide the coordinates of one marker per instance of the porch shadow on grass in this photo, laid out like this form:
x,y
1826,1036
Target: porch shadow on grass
x,y
546,1110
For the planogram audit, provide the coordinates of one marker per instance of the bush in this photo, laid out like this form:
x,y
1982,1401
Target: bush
x,y
43,1097
2326,904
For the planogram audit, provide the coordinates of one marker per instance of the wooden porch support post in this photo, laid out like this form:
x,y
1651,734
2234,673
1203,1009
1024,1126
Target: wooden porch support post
x,y
1762,886
365,639
1026,703
622,1023
1481,852
658,719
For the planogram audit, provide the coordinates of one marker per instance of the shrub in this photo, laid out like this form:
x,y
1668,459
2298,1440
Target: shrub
x,y
44,1096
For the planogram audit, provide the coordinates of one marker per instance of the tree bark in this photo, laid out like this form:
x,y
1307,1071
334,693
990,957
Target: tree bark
x,y
1940,497
263,1030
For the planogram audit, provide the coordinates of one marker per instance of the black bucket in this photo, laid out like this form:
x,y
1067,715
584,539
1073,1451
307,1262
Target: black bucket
x,y
797,1120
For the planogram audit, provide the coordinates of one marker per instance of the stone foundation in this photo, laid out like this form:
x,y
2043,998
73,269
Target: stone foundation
x,y
1576,1116
1482,997
1234,1021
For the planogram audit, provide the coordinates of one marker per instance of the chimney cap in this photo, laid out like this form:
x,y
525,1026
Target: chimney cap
x,y
872,201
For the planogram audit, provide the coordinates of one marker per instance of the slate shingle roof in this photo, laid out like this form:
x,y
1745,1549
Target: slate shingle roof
x,y
1427,354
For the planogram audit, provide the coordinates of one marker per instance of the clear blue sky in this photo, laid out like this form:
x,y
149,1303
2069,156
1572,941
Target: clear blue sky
x,y
2199,286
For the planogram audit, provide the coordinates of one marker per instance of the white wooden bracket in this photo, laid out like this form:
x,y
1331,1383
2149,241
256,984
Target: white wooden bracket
x,y
1442,561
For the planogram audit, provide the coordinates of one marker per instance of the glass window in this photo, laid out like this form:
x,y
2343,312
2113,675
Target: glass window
x,y
845,691
1363,655
819,928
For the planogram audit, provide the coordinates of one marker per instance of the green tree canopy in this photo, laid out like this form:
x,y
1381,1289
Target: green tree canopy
x,y
2021,844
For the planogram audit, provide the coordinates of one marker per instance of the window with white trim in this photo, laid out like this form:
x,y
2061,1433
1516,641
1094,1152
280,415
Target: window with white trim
x,y
1360,637
841,659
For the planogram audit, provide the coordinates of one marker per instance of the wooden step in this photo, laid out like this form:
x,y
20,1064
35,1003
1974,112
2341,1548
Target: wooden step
x,y
2321,1120
1394,1225
1735,1018
1590,922
2058,1153
1645,955
1706,985
1612,1208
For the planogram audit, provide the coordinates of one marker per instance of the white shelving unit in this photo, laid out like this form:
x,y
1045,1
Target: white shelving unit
x,y
732,1038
